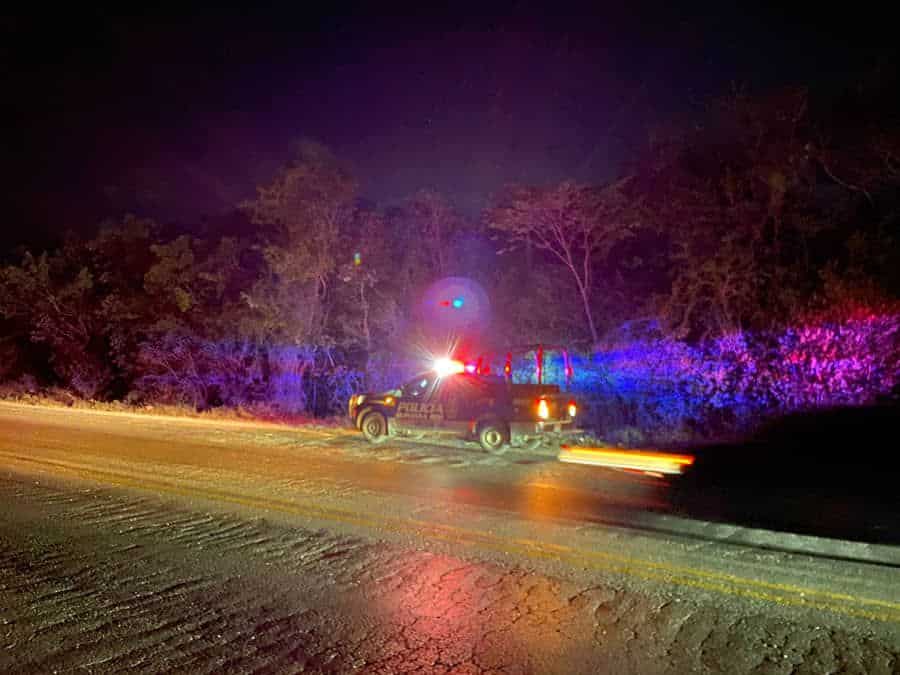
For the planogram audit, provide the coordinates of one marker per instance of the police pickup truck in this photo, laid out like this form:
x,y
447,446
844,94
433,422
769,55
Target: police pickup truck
x,y
450,400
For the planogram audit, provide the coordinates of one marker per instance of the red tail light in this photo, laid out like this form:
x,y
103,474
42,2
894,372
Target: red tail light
x,y
573,409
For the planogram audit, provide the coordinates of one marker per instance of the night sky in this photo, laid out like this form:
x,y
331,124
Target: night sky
x,y
178,114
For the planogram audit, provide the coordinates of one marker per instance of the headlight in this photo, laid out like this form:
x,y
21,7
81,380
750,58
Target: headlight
x,y
573,409
543,409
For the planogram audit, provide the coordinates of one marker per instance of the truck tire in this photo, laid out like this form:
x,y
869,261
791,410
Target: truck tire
x,y
374,427
492,438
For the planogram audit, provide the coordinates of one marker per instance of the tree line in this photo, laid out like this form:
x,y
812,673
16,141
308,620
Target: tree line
x,y
765,212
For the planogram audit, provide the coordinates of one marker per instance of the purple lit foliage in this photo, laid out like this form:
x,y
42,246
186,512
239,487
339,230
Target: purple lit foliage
x,y
655,388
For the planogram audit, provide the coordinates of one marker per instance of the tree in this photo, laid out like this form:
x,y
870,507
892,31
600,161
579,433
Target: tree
x,y
173,274
195,284
734,198
51,299
427,237
434,226
307,204
577,225
548,311
364,310
119,257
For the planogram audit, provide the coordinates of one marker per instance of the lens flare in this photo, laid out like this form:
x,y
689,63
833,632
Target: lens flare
x,y
446,366
455,303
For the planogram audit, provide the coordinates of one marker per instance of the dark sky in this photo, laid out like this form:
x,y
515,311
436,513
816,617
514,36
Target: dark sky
x,y
178,113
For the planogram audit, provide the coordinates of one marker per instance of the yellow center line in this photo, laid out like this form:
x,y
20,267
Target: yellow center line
x,y
783,594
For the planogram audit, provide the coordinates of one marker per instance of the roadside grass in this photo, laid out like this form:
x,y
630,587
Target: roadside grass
x,y
58,398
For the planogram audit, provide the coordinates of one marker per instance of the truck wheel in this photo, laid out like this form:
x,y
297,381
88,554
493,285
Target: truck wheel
x,y
492,438
374,427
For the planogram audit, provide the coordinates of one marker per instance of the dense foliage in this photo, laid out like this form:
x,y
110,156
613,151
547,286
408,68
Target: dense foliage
x,y
743,265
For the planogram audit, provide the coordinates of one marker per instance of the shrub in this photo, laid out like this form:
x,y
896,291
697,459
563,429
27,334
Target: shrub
x,y
672,391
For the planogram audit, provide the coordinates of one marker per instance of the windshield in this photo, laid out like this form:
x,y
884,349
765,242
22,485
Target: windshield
x,y
417,387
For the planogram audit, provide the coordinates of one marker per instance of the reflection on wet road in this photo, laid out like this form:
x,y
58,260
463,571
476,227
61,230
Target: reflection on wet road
x,y
147,543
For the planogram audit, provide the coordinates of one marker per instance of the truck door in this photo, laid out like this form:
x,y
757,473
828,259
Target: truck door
x,y
418,407
455,397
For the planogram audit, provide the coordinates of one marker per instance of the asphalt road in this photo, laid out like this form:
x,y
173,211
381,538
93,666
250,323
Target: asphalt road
x,y
152,543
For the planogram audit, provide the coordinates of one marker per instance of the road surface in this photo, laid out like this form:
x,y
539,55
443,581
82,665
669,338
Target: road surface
x,y
158,544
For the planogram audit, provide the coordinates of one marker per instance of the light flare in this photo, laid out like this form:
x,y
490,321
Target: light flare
x,y
640,460
446,366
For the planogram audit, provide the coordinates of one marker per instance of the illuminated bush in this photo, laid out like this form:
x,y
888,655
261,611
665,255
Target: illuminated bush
x,y
641,387
669,390
836,363
182,369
